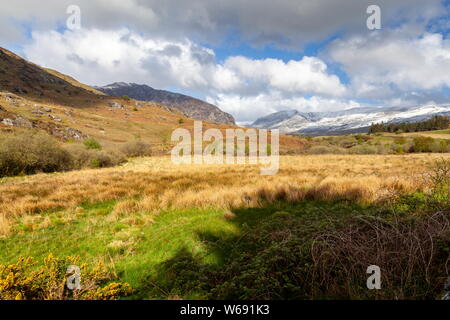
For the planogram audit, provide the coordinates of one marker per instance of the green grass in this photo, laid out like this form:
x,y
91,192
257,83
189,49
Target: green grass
x,y
142,250
441,132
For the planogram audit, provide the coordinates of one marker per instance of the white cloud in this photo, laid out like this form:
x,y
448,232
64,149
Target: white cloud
x,y
159,47
285,23
308,75
249,108
101,57
388,62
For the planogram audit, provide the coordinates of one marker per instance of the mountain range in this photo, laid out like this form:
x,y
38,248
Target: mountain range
x,y
37,98
356,120
190,107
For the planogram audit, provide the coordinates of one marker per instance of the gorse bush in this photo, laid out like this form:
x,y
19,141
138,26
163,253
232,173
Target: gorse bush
x,y
25,280
136,149
32,152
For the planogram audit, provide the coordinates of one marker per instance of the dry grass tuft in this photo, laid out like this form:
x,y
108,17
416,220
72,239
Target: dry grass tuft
x,y
228,215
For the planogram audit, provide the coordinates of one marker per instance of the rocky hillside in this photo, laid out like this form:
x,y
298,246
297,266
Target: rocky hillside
x,y
35,98
191,107
356,120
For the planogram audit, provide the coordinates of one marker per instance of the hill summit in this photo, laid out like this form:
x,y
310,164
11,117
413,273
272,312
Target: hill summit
x,y
189,106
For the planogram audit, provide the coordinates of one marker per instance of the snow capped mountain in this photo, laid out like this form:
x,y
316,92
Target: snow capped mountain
x,y
344,122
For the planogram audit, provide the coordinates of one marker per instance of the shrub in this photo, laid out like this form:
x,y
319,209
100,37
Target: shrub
x,y
103,159
91,143
136,149
422,144
31,152
440,146
92,158
25,281
364,149
398,148
345,141
386,148
400,141
439,179
407,250
325,150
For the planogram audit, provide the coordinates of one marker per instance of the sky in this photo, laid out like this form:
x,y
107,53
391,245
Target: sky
x,y
250,58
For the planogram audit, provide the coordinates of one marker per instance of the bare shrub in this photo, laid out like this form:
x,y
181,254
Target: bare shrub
x,y
93,158
136,149
407,251
30,152
440,174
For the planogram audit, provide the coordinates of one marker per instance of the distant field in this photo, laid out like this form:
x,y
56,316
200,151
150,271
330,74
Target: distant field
x,y
442,131
437,134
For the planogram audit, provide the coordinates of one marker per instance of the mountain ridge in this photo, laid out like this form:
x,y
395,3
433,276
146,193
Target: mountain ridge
x,y
191,107
356,120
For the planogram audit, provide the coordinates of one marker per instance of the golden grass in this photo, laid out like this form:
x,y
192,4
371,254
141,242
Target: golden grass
x,y
158,184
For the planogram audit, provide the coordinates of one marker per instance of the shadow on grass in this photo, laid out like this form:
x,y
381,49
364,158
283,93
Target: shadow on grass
x,y
269,258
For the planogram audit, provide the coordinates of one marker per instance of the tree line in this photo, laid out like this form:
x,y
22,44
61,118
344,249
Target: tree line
x,y
435,123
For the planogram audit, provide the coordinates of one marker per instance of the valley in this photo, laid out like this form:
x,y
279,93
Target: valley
x,y
85,176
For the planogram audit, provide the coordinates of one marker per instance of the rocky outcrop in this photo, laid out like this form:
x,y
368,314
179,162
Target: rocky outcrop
x,y
116,105
191,107
10,119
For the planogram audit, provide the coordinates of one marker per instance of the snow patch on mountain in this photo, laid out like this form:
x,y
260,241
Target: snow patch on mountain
x,y
346,121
